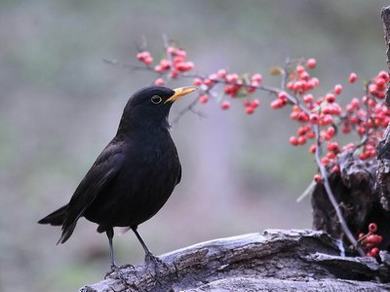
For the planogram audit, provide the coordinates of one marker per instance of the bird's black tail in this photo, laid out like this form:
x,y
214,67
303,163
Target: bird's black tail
x,y
56,218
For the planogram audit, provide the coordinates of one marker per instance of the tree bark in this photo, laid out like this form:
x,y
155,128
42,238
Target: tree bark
x,y
277,260
356,189
383,172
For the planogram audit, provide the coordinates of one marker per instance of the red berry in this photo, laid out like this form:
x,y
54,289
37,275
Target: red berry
x,y
317,178
374,252
181,53
293,140
277,103
337,89
158,69
374,239
301,131
384,75
249,110
221,73
331,131
232,78
225,105
371,102
171,50
213,77
313,148
247,103
203,98
308,98
257,77
301,140
197,82
303,117
314,82
159,82
300,69
372,227
148,60
165,64
380,82
283,95
255,103
143,56
355,103
174,74
331,155
184,66
252,86
208,82
326,120
325,160
310,135
352,77
311,63
333,146
314,118
330,97
335,169
372,88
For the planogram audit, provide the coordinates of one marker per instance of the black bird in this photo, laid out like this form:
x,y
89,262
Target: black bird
x,y
134,175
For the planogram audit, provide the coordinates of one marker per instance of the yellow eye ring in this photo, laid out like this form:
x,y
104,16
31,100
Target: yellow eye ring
x,y
156,99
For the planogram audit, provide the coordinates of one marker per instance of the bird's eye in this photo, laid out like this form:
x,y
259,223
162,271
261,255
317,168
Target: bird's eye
x,y
156,99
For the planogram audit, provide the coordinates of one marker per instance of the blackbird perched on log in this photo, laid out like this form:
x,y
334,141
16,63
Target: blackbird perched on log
x,y
134,175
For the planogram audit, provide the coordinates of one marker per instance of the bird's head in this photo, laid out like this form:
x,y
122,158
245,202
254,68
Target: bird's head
x,y
150,106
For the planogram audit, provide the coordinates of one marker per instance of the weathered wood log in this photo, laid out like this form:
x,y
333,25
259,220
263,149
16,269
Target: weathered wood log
x,y
277,260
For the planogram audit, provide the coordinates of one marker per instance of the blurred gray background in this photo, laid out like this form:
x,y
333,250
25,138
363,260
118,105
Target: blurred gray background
x,y
60,104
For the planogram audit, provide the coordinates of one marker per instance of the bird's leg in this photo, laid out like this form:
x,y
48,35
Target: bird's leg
x,y
114,266
115,269
147,251
149,257
110,235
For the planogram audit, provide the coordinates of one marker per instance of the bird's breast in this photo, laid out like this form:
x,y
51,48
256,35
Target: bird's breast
x,y
150,171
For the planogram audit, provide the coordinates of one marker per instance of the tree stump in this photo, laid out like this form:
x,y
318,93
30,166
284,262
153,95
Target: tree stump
x,y
356,189
277,260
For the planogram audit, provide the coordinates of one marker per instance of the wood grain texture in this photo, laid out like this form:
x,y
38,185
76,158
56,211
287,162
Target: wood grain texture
x,y
276,260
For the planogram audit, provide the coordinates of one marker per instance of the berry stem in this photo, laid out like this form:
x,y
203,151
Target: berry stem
x,y
331,197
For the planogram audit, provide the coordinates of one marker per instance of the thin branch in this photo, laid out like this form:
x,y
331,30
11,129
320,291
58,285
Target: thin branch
x,y
331,197
188,108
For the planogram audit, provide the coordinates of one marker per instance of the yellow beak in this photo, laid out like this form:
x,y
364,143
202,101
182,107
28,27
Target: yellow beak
x,y
181,91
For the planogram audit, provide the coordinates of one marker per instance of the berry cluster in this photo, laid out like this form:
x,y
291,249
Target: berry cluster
x,y
320,117
171,65
367,116
174,65
370,241
234,86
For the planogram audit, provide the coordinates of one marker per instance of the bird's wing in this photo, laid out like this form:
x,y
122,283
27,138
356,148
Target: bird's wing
x,y
102,172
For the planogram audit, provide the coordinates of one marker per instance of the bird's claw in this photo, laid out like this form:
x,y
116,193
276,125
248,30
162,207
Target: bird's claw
x,y
115,272
157,263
